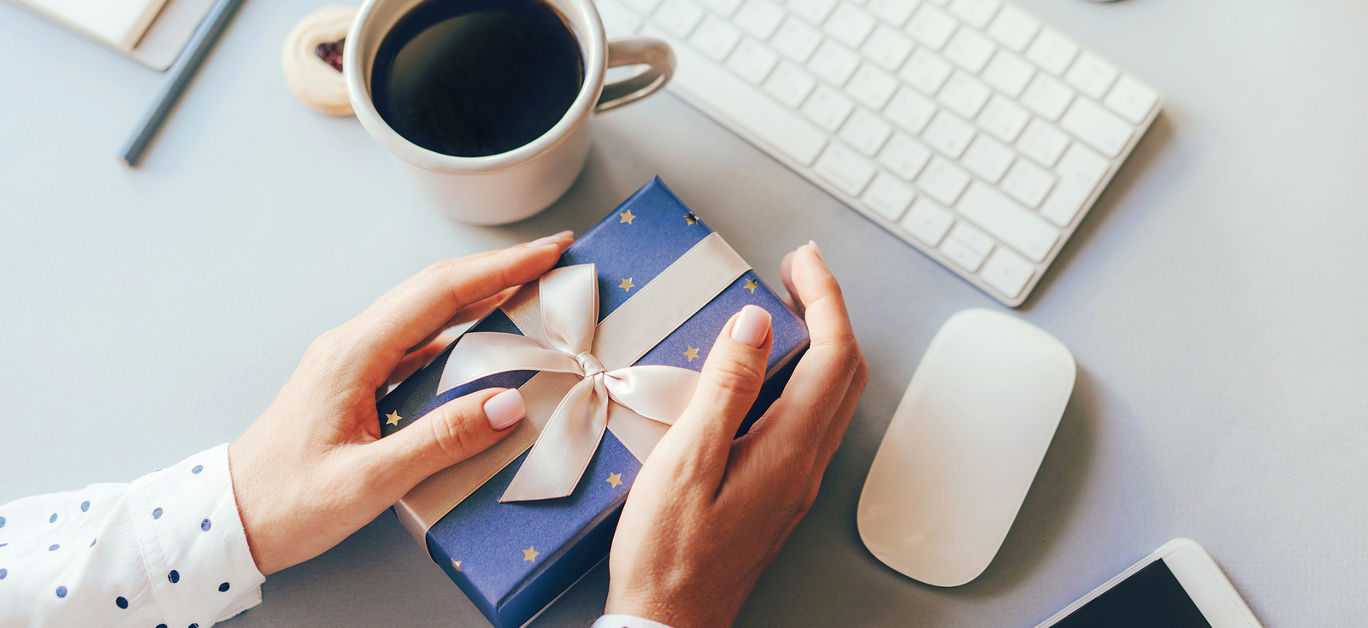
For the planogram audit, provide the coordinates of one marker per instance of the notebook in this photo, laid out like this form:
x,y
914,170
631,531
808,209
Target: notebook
x,y
115,23
152,32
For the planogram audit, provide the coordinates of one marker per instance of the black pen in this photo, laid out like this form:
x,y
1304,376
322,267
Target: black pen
x,y
181,71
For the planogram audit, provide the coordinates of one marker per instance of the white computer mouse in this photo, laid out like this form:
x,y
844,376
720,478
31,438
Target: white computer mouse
x,y
964,446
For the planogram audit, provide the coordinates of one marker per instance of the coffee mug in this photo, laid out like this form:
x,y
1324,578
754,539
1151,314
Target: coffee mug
x,y
509,186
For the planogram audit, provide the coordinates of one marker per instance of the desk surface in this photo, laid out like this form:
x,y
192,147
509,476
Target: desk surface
x,y
1214,298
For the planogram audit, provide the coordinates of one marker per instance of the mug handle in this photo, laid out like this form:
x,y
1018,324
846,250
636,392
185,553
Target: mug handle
x,y
652,53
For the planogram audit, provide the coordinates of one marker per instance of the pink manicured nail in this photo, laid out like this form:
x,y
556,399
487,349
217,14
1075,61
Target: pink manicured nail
x,y
751,326
556,238
505,409
813,245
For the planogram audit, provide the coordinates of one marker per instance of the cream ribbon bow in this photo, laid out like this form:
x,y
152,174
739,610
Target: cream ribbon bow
x,y
569,311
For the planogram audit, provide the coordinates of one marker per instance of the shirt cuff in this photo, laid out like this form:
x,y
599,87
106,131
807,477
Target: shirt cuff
x,y
627,621
192,541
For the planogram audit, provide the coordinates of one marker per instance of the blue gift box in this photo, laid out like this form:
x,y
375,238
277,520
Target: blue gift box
x,y
512,559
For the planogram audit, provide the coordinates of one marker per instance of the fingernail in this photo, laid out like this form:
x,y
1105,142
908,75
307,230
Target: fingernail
x,y
505,409
556,238
751,326
812,244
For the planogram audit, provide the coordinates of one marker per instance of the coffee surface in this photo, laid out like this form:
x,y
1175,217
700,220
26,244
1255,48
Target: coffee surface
x,y
476,77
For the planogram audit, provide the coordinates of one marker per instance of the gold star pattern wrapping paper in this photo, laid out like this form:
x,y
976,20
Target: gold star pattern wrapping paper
x,y
493,549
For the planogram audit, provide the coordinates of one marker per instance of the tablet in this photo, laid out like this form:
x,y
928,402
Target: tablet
x,y
1178,586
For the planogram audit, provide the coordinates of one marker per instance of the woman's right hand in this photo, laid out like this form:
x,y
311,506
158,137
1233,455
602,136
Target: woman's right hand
x,y
707,513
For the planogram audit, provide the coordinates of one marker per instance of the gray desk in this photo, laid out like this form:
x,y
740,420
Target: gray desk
x,y
1214,298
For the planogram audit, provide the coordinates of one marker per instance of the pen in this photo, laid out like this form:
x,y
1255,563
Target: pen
x,y
181,71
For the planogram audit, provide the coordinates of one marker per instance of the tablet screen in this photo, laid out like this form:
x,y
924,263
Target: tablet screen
x,y
1150,597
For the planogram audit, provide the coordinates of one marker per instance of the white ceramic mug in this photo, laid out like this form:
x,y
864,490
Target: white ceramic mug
x,y
502,188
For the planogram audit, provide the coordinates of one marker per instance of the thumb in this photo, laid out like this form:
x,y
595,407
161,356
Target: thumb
x,y
727,387
456,430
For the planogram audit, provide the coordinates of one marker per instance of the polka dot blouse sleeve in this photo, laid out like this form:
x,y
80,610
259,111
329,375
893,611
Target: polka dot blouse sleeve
x,y
166,551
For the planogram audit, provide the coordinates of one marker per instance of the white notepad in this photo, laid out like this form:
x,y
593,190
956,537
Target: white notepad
x,y
116,23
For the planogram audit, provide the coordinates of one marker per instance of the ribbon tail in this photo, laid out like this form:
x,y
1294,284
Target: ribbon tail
x,y
482,354
556,462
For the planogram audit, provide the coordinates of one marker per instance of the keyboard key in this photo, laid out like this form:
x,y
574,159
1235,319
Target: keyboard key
x,y
1009,222
1046,96
789,84
893,12
679,17
948,134
887,48
814,11
796,40
789,134
976,12
752,60
1052,51
1008,72
871,86
834,63
1096,126
964,95
927,221
759,18
1007,272
866,132
926,71
715,38
942,180
910,110
1079,173
849,24
827,107
888,196
1092,75
1042,142
1003,118
1014,28
722,7
1132,99
845,168
969,49
968,235
931,26
988,158
904,156
1027,182
643,7
961,254
618,20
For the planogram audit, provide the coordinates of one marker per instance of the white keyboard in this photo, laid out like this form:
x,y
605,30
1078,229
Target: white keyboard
x,y
966,127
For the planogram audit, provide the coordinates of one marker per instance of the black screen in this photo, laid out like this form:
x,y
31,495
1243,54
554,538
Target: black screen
x,y
1150,597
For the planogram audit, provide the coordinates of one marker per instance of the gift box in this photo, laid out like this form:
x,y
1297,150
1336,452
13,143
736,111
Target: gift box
x,y
605,349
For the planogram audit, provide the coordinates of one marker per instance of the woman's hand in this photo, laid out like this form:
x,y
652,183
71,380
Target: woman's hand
x,y
707,514
313,468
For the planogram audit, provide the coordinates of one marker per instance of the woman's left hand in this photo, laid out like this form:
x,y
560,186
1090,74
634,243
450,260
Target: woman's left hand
x,y
313,469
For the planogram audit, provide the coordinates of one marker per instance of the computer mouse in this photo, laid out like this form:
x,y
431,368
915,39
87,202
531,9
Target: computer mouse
x,y
963,446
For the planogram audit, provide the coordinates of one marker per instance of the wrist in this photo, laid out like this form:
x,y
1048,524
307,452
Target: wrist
x,y
678,609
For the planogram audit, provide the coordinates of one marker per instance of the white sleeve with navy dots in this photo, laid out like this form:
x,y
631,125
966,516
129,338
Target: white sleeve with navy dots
x,y
166,551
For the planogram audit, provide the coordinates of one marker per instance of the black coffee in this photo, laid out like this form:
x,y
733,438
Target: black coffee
x,y
476,77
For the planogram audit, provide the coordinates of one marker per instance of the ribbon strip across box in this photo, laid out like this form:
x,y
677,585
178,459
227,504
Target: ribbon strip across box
x,y
605,349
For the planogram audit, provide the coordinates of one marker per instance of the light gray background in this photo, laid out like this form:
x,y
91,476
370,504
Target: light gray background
x,y
1214,299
